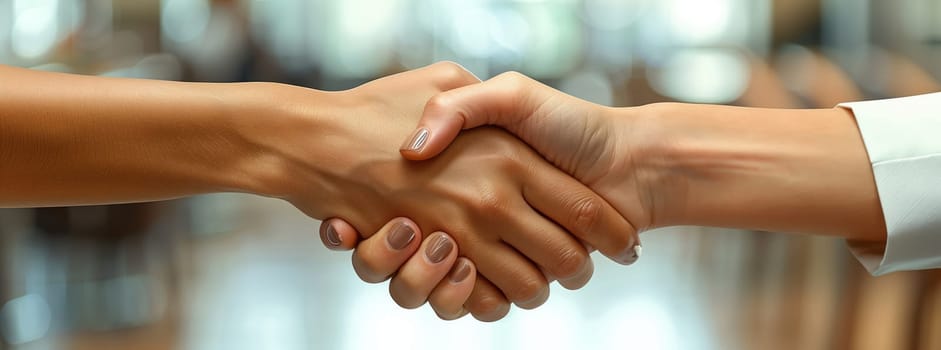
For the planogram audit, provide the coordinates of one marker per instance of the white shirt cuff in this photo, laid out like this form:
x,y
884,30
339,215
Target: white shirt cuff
x,y
903,139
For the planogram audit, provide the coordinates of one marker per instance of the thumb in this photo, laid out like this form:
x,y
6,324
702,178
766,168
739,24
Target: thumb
x,y
504,100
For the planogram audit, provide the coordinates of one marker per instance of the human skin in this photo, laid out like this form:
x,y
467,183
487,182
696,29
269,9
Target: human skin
x,y
667,164
78,140
784,170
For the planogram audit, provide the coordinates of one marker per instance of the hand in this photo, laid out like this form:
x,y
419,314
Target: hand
x,y
510,212
581,138
667,164
446,284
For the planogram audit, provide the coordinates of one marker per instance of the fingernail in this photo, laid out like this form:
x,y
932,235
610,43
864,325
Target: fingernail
x,y
630,255
330,235
460,271
417,141
401,235
438,249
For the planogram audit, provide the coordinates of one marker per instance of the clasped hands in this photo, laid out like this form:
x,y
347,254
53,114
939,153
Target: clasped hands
x,y
472,223
469,223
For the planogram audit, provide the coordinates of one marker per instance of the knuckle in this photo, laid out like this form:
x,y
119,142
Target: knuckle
x,y
512,77
439,102
526,289
510,158
484,304
488,307
586,213
488,201
569,263
446,65
449,316
579,281
515,83
450,71
622,242
445,311
504,154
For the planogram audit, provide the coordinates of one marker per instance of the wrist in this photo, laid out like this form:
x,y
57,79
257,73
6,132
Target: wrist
x,y
280,132
766,169
633,182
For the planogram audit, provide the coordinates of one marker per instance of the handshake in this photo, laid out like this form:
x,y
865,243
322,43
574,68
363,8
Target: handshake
x,y
487,217
470,220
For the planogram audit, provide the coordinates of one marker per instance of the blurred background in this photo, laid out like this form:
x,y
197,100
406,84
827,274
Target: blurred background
x,y
238,272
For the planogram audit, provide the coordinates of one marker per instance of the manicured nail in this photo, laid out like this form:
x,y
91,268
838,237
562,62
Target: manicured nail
x,y
400,236
330,235
439,249
460,271
630,255
417,141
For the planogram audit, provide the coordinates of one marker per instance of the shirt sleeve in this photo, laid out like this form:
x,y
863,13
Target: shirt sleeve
x,y
903,139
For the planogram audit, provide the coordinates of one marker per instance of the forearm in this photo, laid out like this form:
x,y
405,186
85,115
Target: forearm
x,y
780,170
72,140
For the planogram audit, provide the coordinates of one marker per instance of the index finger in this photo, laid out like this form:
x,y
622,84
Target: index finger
x,y
582,212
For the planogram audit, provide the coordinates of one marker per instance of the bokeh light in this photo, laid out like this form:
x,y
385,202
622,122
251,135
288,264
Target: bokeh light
x,y
232,271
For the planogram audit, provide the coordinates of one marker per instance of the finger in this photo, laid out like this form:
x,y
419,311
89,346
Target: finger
x,y
337,234
448,75
415,280
380,255
448,298
581,278
582,212
558,253
486,302
518,278
501,101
